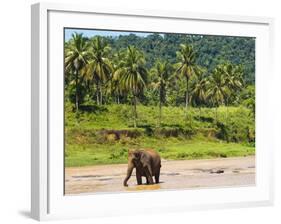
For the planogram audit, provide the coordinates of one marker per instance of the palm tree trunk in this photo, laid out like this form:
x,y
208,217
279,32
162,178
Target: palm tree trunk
x,y
101,94
186,97
76,92
160,113
216,114
186,102
160,102
135,111
226,116
97,93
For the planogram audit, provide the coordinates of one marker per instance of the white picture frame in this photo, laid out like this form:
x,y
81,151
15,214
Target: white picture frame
x,y
47,198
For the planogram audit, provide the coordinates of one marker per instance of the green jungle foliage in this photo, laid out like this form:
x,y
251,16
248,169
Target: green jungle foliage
x,y
211,50
187,96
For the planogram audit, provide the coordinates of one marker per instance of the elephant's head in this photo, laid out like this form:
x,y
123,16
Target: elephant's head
x,y
134,157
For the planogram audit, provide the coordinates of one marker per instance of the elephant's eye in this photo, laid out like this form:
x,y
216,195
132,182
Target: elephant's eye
x,y
135,161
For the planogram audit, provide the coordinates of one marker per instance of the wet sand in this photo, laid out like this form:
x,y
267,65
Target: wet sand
x,y
183,174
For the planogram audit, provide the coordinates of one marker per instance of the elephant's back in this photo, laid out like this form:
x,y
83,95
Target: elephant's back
x,y
155,156
152,152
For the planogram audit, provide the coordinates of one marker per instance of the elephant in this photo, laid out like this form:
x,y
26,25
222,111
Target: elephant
x,y
147,163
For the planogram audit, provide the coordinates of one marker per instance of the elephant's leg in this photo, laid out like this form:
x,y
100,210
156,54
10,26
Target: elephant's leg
x,y
148,173
138,175
157,175
146,180
129,173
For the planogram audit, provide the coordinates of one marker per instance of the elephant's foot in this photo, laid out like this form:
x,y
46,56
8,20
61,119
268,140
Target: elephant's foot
x,y
150,182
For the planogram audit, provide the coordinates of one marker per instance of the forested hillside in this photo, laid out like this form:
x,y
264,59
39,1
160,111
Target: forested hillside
x,y
211,50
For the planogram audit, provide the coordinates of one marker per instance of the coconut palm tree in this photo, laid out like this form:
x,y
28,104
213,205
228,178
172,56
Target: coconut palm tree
x,y
234,78
233,81
132,75
217,88
198,93
186,67
161,73
114,86
99,67
76,56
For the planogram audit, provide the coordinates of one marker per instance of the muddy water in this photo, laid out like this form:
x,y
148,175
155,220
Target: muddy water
x,y
144,187
239,171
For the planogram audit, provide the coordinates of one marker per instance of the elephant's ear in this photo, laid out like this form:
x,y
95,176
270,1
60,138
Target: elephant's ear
x,y
144,158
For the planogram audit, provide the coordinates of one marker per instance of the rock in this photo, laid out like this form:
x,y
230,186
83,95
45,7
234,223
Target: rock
x,y
217,171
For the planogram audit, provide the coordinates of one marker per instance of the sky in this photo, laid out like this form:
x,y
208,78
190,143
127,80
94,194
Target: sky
x,y
91,33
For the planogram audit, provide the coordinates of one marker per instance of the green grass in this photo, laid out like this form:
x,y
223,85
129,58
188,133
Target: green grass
x,y
169,148
120,116
205,139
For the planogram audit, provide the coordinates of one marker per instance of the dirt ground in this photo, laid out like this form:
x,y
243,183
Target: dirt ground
x,y
184,174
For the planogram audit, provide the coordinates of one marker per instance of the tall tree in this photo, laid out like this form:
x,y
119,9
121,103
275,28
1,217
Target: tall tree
x,y
217,88
247,98
234,79
114,86
76,56
132,75
161,75
99,67
186,66
198,93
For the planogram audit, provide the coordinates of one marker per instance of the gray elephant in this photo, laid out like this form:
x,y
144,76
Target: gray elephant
x,y
147,163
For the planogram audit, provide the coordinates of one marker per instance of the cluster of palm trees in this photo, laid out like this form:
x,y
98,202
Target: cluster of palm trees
x,y
91,62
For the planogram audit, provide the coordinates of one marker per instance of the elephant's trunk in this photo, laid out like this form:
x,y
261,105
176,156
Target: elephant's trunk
x,y
129,173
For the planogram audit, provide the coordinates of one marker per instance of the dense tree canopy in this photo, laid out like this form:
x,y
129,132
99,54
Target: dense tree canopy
x,y
159,70
211,50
